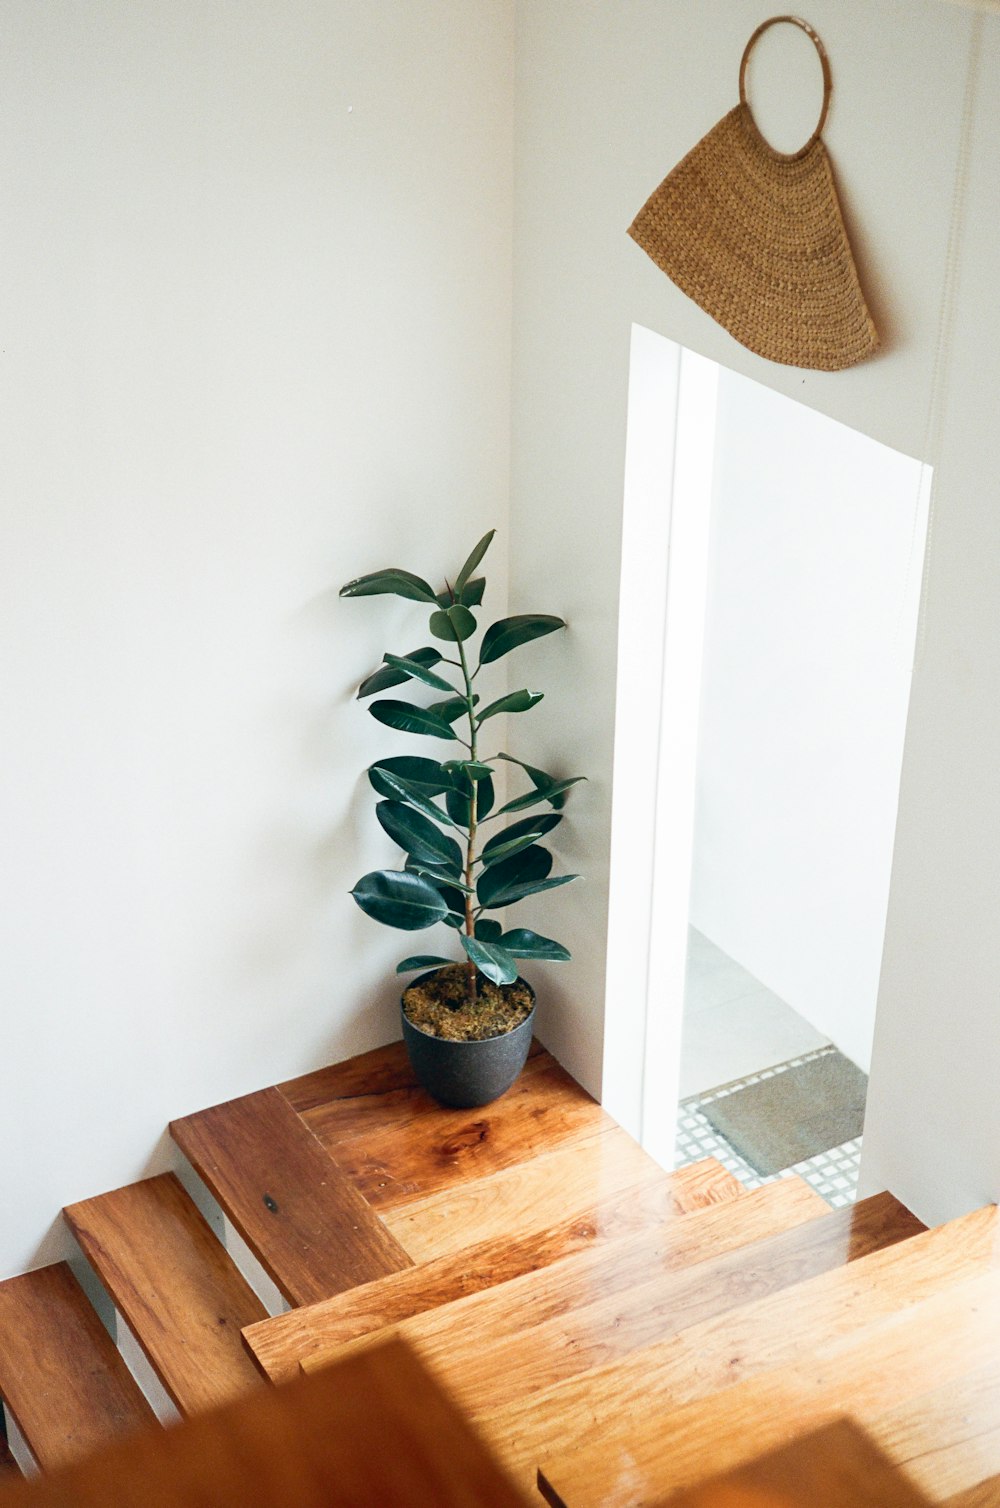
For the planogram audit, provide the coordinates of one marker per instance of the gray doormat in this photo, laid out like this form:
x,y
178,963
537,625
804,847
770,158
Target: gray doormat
x,y
793,1114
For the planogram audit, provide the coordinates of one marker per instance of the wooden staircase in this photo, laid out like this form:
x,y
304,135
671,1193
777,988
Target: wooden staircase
x,y
616,1334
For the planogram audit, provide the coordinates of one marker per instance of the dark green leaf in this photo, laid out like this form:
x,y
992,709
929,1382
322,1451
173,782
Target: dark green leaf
x,y
490,960
452,623
511,846
500,638
473,769
386,676
413,795
533,863
543,823
524,944
488,930
398,899
472,592
514,701
439,874
473,560
458,799
393,581
531,887
537,777
409,718
421,961
412,669
417,835
426,773
452,708
521,803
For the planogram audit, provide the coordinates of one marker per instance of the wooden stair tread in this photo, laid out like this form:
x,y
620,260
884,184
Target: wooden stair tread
x,y
61,1377
9,1469
308,1225
376,1433
721,1352
983,1495
546,1192
280,1344
949,1437
342,1101
392,1165
175,1285
893,1327
546,1327
838,1464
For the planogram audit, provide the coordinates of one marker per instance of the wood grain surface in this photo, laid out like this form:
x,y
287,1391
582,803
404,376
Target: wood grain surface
x,y
546,1327
838,1466
282,1342
305,1220
929,1339
442,1148
61,1377
177,1288
551,1189
721,1352
377,1433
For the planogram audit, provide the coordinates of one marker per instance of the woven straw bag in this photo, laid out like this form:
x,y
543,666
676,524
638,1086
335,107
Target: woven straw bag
x,y
756,237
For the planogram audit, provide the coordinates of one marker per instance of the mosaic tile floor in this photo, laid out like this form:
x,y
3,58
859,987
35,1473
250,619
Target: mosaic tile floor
x,y
833,1174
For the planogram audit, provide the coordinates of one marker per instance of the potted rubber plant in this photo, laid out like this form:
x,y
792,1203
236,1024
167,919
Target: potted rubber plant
x,y
467,1020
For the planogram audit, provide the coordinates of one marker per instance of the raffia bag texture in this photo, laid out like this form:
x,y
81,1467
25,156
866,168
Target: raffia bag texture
x,y
756,237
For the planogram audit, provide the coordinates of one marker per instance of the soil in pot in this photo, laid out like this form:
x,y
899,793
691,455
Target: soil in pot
x,y
439,1005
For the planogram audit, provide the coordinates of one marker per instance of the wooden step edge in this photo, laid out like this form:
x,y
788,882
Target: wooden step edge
x,y
175,1285
278,1345
544,1328
307,1224
62,1380
839,1464
982,1495
918,1336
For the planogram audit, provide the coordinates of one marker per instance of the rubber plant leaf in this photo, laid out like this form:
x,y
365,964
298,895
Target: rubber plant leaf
x,y
399,899
392,582
507,634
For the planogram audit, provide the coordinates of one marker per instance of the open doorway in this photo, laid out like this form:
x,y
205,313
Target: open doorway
x,y
762,699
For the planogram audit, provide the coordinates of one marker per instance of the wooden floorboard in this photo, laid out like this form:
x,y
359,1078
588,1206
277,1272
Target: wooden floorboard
x,y
948,1438
305,1221
341,1102
444,1148
983,1495
546,1327
642,1455
376,1433
723,1352
835,1467
61,1378
551,1191
282,1343
175,1285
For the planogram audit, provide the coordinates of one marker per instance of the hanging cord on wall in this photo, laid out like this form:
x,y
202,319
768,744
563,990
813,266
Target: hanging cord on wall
x,y
937,402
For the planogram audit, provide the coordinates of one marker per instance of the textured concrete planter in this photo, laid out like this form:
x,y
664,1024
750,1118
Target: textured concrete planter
x,y
465,1074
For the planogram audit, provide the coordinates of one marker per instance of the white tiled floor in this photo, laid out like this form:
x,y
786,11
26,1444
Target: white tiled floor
x,y
735,1028
733,1024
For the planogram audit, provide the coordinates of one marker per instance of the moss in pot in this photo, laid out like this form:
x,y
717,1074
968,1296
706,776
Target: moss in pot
x,y
467,1023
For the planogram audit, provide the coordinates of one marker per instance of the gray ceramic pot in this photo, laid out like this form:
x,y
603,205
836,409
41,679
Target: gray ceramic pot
x,y
465,1074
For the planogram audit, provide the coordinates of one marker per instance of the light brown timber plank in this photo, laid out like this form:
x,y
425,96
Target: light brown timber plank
x,y
545,1327
983,1495
176,1286
341,1101
376,1434
949,1438
935,1328
838,1465
720,1353
303,1218
442,1148
280,1344
548,1190
62,1379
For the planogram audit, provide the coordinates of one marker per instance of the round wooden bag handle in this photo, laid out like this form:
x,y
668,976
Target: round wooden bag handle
x,y
827,82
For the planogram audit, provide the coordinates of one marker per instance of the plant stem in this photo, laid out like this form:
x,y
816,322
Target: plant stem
x,y
470,919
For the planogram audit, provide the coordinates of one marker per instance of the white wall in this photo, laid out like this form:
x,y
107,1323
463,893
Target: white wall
x,y
608,99
256,340
814,577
